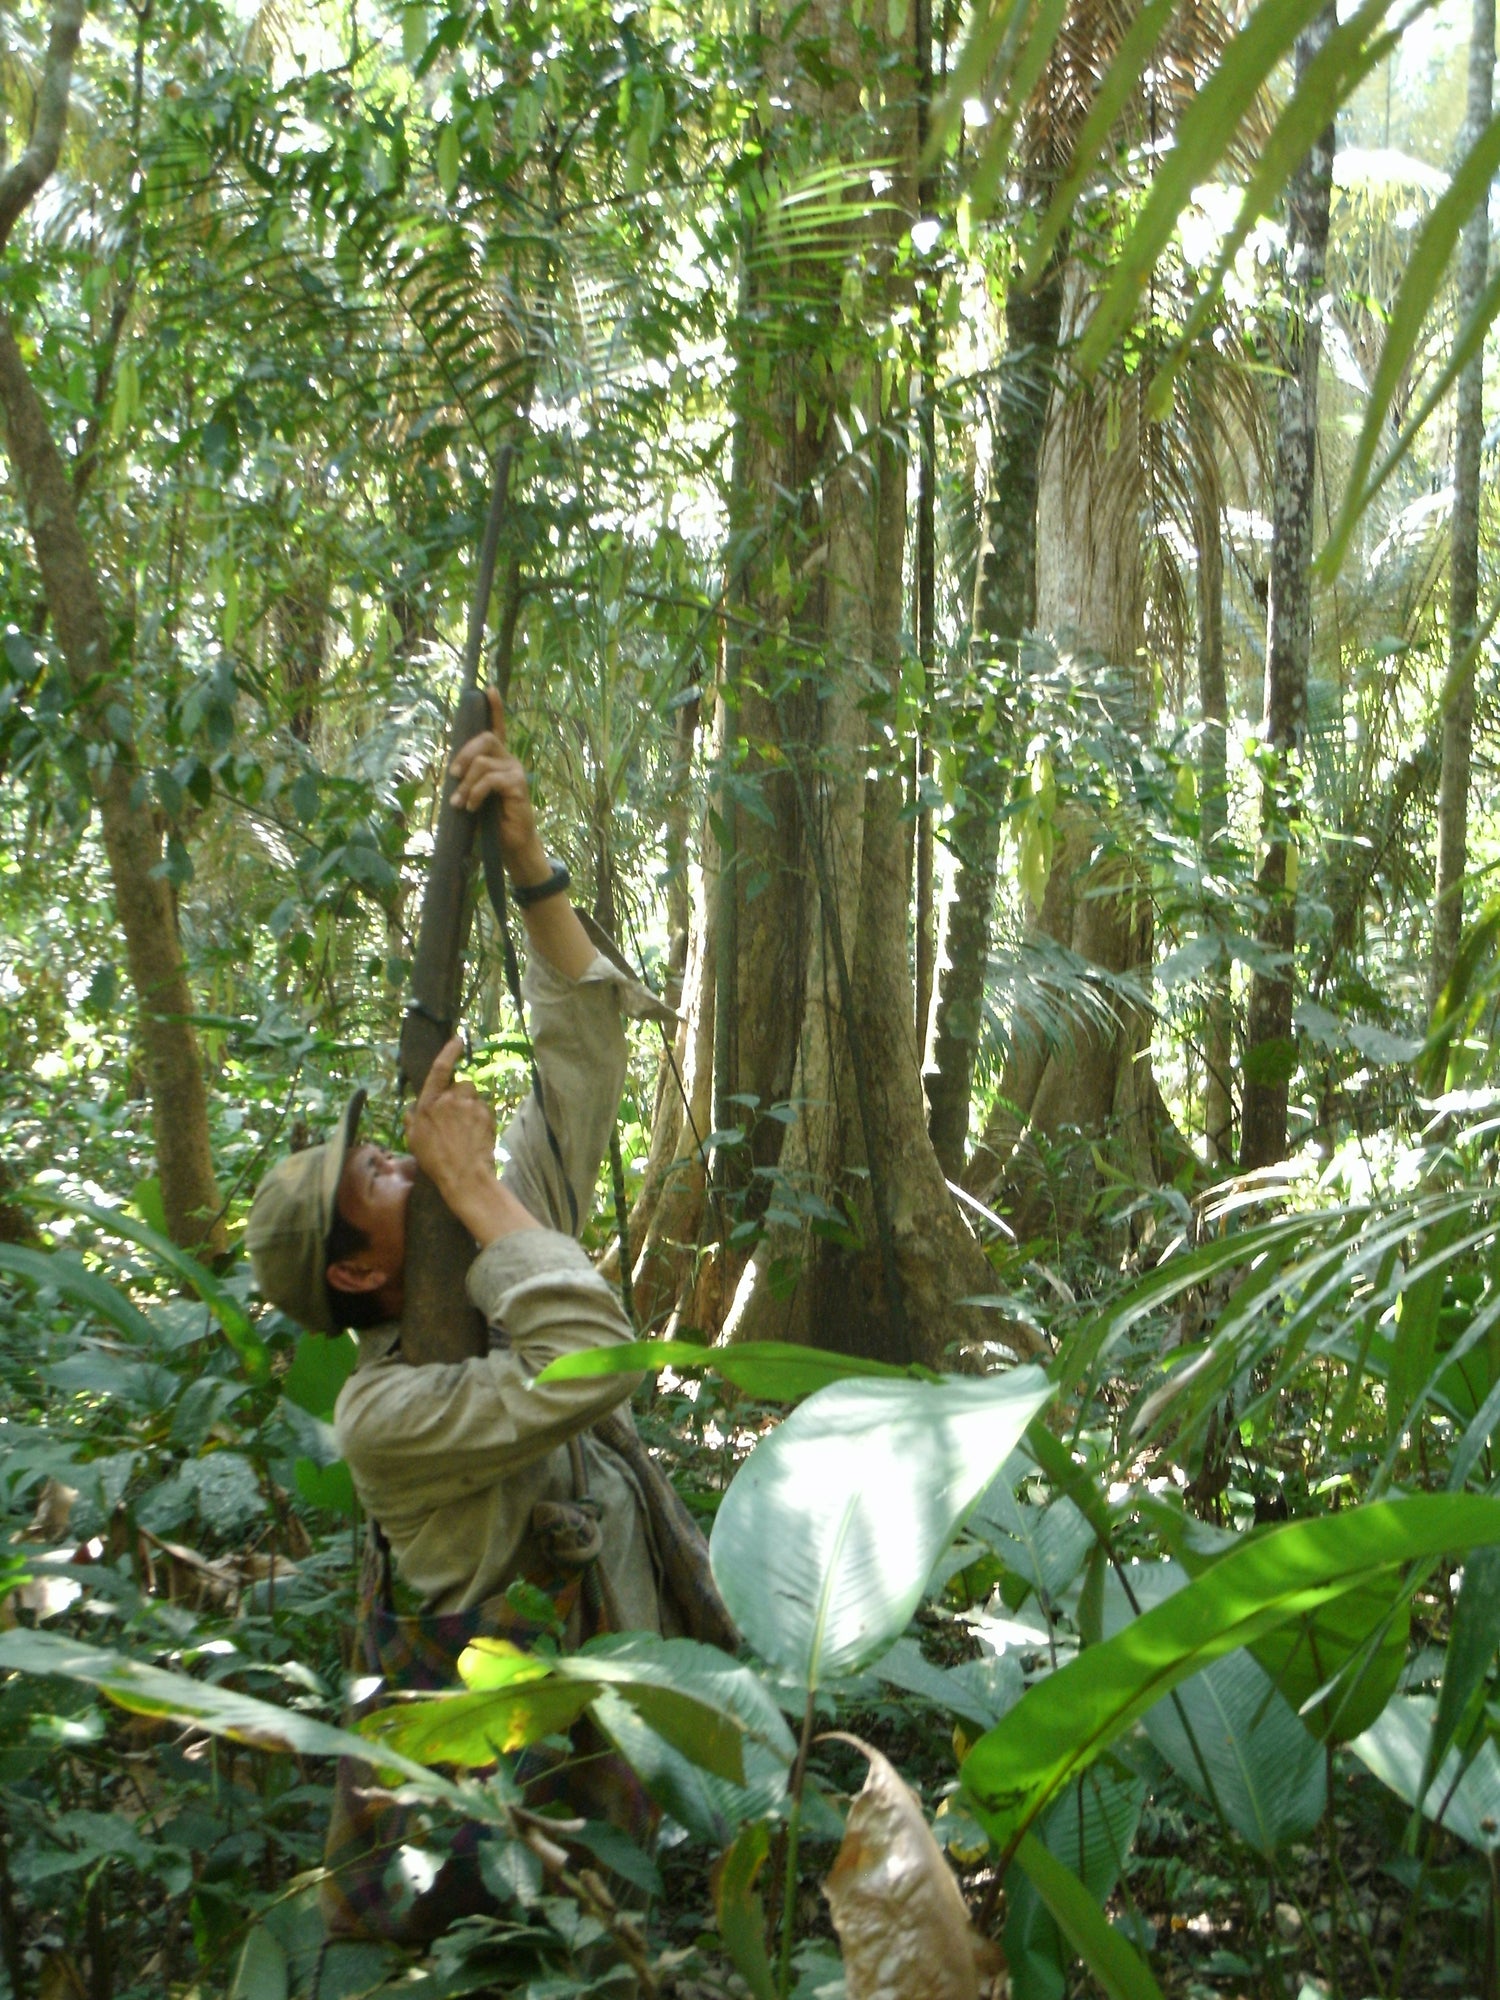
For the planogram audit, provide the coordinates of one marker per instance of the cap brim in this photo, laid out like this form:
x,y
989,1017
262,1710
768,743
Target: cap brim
x,y
335,1156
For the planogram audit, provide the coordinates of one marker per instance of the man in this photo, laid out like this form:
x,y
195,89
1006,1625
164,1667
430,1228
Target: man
x,y
453,1460
477,1477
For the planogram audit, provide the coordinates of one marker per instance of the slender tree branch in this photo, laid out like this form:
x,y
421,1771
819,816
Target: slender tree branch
x,y
40,157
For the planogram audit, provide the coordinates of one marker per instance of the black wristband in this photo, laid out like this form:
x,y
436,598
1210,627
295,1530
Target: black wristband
x,y
538,892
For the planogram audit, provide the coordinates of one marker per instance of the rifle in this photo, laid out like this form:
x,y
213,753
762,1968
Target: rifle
x,y
437,1321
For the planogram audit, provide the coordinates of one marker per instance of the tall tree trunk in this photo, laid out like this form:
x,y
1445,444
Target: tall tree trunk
x,y
887,1282
1463,589
862,1247
1270,1051
143,899
1092,1087
1213,793
929,283
1004,611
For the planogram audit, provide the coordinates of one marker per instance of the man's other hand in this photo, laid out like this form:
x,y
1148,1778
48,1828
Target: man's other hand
x,y
451,1132
451,1128
484,769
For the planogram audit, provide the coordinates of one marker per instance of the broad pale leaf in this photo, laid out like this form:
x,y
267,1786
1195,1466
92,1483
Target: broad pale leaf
x,y
831,1528
1395,1747
261,1973
1045,1545
710,1807
1227,1733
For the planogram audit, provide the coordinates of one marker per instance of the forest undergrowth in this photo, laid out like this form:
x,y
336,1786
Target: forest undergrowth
x,y
174,1502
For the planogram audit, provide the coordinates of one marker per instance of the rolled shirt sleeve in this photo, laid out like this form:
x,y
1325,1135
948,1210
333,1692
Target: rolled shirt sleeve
x,y
578,1038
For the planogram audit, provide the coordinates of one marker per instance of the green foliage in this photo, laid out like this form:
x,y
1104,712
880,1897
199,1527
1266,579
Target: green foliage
x,y
1065,1721
286,294
819,1591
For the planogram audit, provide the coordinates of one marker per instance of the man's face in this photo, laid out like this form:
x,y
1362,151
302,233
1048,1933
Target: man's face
x,y
373,1196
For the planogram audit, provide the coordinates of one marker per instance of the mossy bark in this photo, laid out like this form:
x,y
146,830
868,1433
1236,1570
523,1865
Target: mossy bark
x,y
1270,1051
1004,611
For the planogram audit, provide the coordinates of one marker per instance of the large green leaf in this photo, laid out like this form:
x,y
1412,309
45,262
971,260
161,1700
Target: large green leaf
x,y
1089,1830
1109,1957
742,1919
1472,1643
831,1528
1415,1334
700,1729
1227,1733
321,1366
222,1711
1395,1747
710,1807
472,1730
1337,1666
1064,1721
778,1369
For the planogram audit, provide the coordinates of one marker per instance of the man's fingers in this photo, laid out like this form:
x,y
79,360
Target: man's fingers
x,y
485,777
441,1074
497,714
487,744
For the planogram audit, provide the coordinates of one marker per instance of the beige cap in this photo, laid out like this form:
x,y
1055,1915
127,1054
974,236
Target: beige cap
x,y
290,1218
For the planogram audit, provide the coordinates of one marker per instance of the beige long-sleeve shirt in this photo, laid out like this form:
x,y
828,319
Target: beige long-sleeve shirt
x,y
451,1458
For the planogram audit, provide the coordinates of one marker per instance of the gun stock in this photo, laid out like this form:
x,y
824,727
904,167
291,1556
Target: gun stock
x,y
437,1321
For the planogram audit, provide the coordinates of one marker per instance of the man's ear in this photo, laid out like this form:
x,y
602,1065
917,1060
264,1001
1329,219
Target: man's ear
x,y
351,1274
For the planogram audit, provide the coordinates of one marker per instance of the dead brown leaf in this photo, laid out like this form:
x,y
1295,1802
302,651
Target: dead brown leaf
x,y
902,1925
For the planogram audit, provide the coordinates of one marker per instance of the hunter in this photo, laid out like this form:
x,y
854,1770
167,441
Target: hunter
x,y
476,1477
